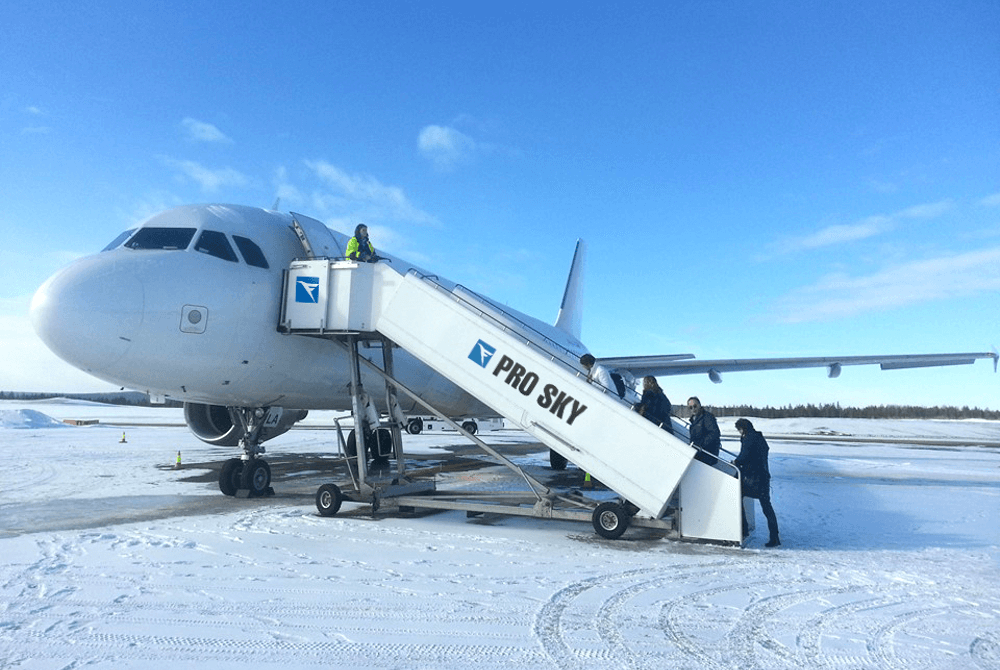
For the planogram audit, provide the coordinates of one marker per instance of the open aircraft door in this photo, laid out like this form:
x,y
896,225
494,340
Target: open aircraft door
x,y
317,240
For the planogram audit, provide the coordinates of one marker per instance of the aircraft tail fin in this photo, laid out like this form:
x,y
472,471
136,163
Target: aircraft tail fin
x,y
570,318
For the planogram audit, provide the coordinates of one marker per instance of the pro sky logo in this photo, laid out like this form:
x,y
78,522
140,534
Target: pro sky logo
x,y
307,289
557,402
482,353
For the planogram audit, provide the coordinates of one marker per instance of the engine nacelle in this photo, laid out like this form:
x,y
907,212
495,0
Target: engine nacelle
x,y
216,424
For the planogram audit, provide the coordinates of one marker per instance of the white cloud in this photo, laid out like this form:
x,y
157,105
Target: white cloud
x,y
446,147
865,228
209,180
361,196
931,210
284,190
991,200
342,200
35,129
199,131
839,234
948,277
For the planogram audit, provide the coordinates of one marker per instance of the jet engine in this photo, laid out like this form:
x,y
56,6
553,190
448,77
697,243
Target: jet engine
x,y
217,425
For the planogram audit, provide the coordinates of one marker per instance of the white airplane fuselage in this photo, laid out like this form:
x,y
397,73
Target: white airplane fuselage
x,y
199,328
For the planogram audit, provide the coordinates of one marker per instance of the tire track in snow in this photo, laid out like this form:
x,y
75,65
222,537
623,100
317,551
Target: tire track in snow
x,y
985,651
553,620
760,624
122,647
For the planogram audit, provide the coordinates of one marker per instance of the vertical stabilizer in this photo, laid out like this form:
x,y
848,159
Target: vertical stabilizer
x,y
570,319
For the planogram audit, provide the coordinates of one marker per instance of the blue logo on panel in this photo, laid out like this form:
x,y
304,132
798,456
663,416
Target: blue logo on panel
x,y
307,289
482,353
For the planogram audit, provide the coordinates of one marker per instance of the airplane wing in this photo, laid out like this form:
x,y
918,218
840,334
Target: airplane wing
x,y
686,364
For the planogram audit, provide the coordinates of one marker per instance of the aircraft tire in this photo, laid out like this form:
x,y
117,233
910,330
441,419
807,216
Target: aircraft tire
x,y
328,499
414,426
352,445
610,520
372,442
381,445
470,427
230,476
256,477
557,460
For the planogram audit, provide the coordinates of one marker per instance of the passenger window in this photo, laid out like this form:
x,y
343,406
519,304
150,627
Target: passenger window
x,y
251,252
161,238
117,242
215,244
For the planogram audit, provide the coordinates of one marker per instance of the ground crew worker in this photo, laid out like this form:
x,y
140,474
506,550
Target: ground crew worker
x,y
359,247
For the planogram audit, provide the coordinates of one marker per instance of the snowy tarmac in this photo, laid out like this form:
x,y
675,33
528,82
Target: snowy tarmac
x,y
112,558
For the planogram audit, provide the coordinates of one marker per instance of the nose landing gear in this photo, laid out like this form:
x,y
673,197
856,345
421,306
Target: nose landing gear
x,y
249,476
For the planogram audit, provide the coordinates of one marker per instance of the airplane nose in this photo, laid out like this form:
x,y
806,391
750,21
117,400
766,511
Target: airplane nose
x,y
89,312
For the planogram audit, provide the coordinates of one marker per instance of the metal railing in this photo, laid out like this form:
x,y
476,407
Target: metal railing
x,y
510,323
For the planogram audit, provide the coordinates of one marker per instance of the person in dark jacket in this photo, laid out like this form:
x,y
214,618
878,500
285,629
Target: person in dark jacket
x,y
654,404
704,431
754,475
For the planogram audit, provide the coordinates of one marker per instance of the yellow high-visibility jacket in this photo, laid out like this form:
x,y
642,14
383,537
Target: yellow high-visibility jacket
x,y
353,247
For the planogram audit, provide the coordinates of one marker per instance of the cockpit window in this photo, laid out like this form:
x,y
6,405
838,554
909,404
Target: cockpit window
x,y
215,244
251,252
161,238
117,242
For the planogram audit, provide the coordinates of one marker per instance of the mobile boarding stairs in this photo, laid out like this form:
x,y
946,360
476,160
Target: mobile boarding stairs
x,y
526,379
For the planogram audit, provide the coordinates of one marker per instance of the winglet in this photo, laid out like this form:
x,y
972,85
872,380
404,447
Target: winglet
x,y
570,319
996,357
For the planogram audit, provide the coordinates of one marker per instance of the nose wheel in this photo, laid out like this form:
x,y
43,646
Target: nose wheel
x,y
256,477
252,476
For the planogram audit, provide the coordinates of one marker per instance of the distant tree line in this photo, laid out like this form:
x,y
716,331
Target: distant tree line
x,y
835,411
827,411
135,398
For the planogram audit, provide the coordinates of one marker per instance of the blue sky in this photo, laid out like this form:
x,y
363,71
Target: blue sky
x,y
753,179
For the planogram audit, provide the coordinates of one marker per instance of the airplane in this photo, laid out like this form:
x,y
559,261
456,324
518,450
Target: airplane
x,y
186,306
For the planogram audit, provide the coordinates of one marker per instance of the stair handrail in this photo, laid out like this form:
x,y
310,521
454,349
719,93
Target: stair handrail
x,y
561,354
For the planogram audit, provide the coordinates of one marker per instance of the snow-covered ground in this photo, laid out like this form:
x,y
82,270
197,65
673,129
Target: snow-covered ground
x,y
112,558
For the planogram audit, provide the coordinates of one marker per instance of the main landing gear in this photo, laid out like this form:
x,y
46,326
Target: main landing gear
x,y
249,476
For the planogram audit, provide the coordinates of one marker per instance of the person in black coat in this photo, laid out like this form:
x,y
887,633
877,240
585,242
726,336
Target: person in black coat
x,y
654,404
754,474
704,432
